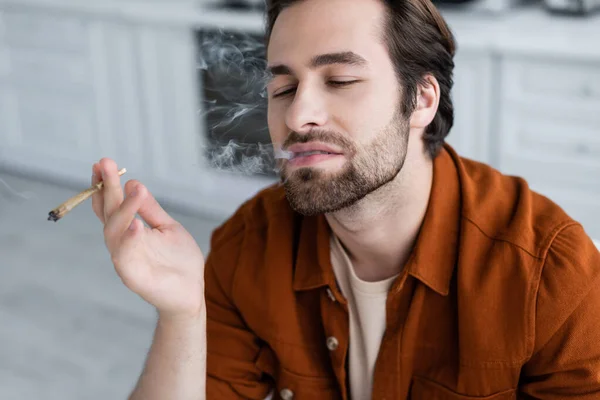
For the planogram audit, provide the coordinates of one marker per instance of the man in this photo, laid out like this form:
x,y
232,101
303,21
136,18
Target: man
x,y
386,266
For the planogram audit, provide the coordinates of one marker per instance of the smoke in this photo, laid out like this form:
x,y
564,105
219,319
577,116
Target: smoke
x,y
8,192
246,159
234,76
236,65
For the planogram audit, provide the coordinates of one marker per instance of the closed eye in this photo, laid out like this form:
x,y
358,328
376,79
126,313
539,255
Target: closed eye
x,y
330,83
341,83
284,92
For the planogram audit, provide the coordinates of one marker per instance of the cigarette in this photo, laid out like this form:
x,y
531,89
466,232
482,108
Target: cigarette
x,y
66,207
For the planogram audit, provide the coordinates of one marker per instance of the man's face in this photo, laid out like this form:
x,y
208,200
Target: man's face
x,y
334,103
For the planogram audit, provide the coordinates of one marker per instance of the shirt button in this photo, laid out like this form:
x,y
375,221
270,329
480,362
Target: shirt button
x,y
332,343
286,394
330,295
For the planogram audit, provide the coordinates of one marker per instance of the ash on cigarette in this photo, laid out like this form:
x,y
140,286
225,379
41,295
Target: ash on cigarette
x,y
53,216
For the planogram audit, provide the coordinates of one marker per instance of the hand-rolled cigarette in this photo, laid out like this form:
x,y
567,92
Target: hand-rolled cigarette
x,y
76,200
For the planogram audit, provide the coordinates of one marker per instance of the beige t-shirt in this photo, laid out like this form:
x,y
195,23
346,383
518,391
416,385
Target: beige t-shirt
x,y
366,305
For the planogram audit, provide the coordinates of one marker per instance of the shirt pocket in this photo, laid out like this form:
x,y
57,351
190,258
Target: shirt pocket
x,y
290,385
425,389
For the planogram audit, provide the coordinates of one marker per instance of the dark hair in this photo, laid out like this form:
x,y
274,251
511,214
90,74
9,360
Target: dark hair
x,y
420,43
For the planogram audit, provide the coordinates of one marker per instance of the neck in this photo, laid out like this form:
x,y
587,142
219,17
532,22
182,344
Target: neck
x,y
379,231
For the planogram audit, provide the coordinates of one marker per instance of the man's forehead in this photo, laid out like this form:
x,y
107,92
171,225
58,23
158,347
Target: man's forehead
x,y
327,26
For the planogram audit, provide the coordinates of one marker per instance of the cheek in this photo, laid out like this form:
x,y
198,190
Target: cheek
x,y
365,119
276,124
376,100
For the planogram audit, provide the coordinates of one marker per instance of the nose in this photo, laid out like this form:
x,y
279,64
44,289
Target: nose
x,y
307,111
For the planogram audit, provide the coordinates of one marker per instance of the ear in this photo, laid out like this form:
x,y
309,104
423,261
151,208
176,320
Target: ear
x,y
428,99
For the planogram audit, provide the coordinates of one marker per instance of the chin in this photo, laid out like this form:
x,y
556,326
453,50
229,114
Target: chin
x,y
310,202
308,176
314,172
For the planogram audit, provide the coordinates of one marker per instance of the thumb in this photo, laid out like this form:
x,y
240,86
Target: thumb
x,y
151,211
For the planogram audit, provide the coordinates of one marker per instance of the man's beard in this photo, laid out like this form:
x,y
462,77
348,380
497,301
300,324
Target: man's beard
x,y
313,191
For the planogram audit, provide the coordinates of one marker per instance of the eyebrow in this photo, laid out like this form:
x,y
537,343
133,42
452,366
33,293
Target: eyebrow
x,y
321,60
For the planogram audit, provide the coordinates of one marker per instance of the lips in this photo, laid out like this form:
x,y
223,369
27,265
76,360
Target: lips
x,y
310,153
311,149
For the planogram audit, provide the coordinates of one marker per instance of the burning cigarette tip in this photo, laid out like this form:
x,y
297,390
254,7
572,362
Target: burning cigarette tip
x,y
53,216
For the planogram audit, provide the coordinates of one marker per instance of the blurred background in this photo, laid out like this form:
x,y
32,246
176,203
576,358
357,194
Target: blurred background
x,y
161,86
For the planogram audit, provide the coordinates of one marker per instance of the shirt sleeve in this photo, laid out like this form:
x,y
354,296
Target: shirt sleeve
x,y
566,357
232,348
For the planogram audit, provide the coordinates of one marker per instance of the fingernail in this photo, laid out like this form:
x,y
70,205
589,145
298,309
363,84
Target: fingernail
x,y
132,225
134,191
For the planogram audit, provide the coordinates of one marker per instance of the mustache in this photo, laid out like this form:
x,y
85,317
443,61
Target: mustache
x,y
322,136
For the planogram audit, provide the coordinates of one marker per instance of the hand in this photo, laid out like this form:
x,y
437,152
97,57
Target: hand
x,y
162,263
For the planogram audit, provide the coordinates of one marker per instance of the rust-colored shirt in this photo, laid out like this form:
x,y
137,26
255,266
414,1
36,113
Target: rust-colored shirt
x,y
500,299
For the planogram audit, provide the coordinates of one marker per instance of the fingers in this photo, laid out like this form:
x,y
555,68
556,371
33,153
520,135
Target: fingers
x,y
118,213
152,212
123,221
97,198
112,191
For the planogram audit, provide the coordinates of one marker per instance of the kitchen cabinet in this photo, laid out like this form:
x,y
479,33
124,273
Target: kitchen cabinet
x,y
62,106
550,130
45,89
78,87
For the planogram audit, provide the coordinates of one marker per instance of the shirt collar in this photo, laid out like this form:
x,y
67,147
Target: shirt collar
x,y
434,255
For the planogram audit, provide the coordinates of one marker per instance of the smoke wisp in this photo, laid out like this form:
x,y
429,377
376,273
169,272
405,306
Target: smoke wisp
x,y
8,192
234,76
